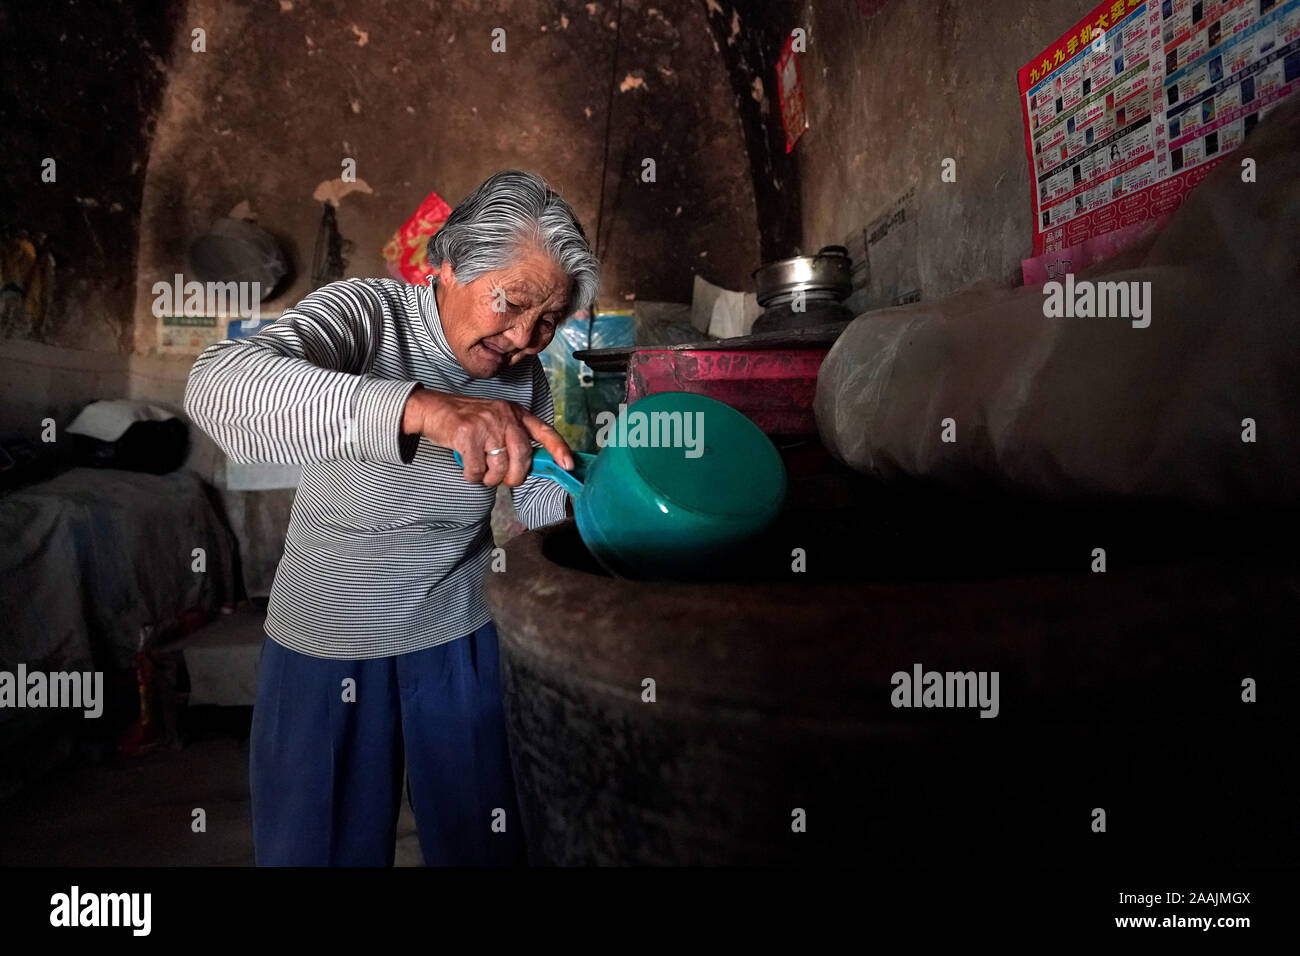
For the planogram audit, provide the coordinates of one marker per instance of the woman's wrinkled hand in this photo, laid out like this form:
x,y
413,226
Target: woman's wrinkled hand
x,y
476,426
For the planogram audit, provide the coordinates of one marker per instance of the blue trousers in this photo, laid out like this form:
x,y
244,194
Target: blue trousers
x,y
326,757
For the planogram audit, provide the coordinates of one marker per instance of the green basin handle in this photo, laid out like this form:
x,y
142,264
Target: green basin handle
x,y
545,466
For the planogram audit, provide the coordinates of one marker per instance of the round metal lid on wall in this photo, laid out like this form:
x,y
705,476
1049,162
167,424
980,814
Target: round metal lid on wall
x,y
234,250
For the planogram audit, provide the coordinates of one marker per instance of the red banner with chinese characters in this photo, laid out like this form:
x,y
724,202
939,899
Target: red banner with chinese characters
x,y
789,88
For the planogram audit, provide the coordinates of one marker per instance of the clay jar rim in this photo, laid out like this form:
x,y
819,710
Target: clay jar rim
x,y
733,644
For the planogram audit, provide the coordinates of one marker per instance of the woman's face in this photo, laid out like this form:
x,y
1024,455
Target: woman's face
x,y
504,316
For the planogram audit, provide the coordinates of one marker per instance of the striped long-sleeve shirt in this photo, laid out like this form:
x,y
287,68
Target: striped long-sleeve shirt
x,y
387,543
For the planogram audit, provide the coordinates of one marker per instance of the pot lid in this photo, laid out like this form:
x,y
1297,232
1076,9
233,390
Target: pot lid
x,y
823,253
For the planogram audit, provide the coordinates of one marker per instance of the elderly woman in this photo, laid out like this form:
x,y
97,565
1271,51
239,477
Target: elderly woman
x,y
379,645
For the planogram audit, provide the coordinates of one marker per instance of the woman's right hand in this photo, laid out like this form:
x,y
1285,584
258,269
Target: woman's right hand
x,y
476,426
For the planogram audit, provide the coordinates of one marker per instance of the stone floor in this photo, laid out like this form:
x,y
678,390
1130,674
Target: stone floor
x,y
138,811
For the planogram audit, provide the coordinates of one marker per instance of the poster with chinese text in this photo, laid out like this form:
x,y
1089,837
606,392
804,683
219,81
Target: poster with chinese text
x,y
1138,102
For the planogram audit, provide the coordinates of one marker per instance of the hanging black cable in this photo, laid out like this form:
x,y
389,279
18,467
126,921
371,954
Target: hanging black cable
x,y
604,172
609,122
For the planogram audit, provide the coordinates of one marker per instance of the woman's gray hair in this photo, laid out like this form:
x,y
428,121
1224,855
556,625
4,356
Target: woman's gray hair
x,y
509,209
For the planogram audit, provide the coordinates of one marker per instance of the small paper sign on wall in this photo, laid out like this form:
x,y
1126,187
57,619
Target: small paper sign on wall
x,y
789,87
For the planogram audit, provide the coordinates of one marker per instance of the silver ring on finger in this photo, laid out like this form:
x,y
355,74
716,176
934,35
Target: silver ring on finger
x,y
495,451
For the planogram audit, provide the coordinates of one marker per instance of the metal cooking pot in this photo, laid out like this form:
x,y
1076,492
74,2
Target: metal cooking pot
x,y
826,275
678,511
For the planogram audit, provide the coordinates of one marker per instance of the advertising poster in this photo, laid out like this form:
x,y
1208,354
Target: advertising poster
x,y
1140,100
